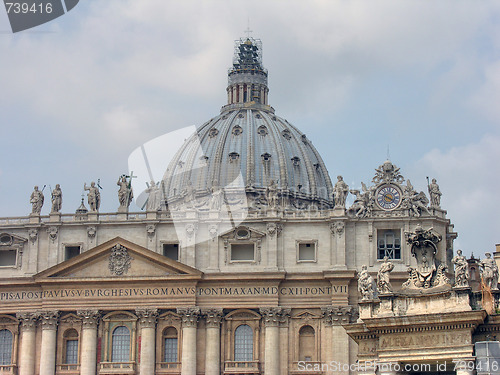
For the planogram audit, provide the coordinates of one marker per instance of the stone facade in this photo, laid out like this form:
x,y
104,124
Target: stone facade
x,y
189,288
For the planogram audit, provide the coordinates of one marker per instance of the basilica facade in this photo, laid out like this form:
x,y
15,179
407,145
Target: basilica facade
x,y
245,260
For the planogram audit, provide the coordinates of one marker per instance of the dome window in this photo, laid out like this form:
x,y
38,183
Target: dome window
x,y
258,115
241,115
237,130
262,130
181,163
304,139
296,161
286,134
266,157
233,156
213,133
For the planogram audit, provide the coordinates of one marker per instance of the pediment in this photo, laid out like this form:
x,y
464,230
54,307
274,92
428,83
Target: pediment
x,y
242,233
306,315
118,258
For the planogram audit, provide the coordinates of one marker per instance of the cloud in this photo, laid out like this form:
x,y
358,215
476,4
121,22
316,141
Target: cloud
x,y
469,179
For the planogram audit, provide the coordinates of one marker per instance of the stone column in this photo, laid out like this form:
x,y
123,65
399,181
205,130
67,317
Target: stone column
x,y
335,316
48,348
189,323
212,347
147,318
28,344
272,318
88,360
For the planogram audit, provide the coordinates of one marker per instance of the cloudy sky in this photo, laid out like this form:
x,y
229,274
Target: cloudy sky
x,y
422,79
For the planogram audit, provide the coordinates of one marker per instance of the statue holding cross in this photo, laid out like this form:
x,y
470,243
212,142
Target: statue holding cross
x,y
125,193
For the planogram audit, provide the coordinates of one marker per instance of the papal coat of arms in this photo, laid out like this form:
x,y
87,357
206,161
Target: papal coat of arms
x,y
119,260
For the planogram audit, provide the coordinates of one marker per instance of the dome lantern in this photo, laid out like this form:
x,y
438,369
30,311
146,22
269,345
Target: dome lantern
x,y
247,78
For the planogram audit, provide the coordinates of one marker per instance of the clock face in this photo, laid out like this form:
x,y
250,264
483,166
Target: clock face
x,y
388,197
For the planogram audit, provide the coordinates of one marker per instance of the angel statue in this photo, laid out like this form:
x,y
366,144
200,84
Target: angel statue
x,y
413,201
365,284
362,205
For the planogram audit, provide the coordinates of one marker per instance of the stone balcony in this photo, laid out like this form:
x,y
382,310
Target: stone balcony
x,y
242,367
117,368
168,368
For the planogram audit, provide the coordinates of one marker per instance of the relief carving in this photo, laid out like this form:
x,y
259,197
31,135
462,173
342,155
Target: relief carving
x,y
119,260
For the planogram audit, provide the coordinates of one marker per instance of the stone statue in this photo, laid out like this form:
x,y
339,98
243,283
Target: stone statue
x,y
414,201
154,197
363,203
56,199
94,196
125,193
340,192
272,195
216,197
36,200
435,194
189,195
461,269
383,277
489,272
365,284
424,248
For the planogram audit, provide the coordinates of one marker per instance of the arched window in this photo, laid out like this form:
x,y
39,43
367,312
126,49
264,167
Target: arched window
x,y
473,274
5,347
170,345
71,347
306,344
243,344
120,346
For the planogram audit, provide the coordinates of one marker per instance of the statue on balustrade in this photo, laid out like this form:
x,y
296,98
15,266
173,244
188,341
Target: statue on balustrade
x,y
461,270
365,284
383,278
489,272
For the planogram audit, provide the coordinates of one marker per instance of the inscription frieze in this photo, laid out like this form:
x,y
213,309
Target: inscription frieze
x,y
104,293
421,340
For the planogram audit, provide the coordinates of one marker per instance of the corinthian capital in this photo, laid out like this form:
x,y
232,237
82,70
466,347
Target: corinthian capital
x,y
147,317
28,320
337,315
273,316
213,317
49,319
189,315
90,318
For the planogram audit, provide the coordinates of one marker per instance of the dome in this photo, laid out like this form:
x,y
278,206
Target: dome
x,y
249,145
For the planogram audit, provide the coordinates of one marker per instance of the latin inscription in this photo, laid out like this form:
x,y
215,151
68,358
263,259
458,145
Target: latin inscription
x,y
424,340
184,291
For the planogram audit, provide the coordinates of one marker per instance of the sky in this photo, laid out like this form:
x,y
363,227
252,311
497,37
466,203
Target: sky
x,y
416,81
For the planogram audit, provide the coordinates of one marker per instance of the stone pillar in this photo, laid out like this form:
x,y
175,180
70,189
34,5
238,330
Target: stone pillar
x,y
189,323
274,231
334,317
88,360
272,318
147,318
212,347
48,348
28,344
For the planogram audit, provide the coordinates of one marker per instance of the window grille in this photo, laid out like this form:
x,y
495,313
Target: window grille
x,y
5,347
389,245
71,352
120,351
243,344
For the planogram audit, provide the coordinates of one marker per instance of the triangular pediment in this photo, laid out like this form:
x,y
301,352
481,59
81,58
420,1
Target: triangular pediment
x,y
118,258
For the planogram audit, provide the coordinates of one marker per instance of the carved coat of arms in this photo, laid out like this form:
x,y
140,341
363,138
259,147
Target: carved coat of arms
x,y
119,260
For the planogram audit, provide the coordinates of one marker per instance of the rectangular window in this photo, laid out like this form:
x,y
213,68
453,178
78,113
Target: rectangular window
x,y
71,252
71,352
170,354
8,258
242,252
307,252
171,250
389,244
